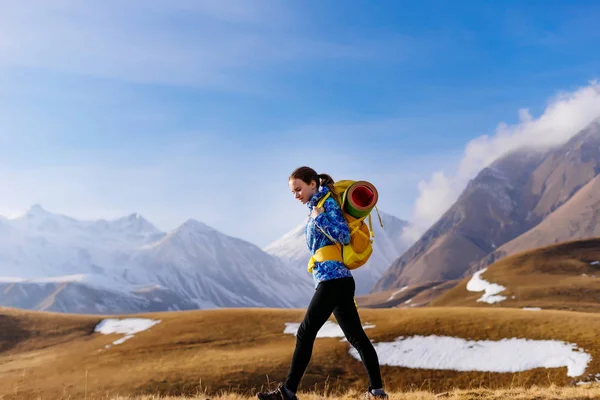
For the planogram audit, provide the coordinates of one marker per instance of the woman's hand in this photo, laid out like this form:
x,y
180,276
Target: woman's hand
x,y
316,211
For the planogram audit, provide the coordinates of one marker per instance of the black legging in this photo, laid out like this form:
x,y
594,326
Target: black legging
x,y
337,296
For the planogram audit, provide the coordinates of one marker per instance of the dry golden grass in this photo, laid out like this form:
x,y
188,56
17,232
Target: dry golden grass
x,y
243,350
559,277
532,393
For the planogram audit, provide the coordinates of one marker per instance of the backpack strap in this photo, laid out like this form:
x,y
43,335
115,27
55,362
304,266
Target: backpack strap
x,y
332,252
325,253
371,223
322,201
380,222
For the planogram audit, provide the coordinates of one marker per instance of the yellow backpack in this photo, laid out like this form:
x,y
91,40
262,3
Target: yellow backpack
x,y
357,252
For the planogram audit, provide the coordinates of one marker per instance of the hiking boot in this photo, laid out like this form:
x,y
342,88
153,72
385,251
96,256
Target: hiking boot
x,y
278,394
376,394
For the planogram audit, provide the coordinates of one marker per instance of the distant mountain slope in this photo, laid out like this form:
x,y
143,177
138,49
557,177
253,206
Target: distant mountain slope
x,y
577,218
508,198
487,214
57,263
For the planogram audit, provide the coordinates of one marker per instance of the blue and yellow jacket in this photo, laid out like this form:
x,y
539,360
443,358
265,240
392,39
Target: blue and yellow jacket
x,y
333,223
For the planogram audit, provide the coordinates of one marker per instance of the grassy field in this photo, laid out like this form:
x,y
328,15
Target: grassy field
x,y
242,350
559,277
532,393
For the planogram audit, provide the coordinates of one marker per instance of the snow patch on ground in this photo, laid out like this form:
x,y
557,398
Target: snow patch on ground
x,y
128,326
506,355
477,284
397,292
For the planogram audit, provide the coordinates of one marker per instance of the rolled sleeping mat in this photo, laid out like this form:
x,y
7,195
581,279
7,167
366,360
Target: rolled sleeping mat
x,y
360,198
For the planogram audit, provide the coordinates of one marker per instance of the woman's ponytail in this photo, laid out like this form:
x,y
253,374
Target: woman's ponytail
x,y
326,180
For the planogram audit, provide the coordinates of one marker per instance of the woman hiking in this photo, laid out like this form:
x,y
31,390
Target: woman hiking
x,y
334,285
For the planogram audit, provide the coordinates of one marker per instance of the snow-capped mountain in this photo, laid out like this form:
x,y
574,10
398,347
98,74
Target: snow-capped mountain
x,y
388,245
217,270
40,244
58,263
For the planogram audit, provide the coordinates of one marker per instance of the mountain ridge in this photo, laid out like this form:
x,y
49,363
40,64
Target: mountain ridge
x,y
515,193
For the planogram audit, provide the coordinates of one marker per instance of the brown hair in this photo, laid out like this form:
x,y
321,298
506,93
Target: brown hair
x,y
307,175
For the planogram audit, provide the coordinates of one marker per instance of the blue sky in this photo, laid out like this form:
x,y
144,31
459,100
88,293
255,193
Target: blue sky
x,y
201,109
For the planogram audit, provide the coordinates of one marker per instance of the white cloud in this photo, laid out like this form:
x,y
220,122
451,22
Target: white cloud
x,y
433,194
565,115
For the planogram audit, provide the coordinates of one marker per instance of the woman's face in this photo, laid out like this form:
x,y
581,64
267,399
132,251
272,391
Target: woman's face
x,y
301,190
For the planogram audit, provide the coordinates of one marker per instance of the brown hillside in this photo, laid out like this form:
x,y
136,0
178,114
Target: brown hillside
x,y
506,199
565,276
578,218
23,331
565,170
410,296
485,215
243,349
